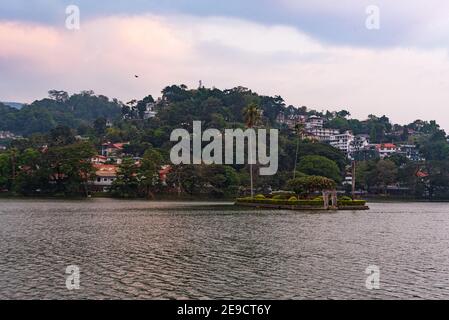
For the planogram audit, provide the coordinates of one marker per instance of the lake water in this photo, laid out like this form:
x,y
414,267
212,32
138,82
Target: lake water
x,y
147,250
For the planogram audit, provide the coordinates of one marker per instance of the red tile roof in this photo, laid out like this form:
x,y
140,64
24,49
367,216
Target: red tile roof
x,y
105,170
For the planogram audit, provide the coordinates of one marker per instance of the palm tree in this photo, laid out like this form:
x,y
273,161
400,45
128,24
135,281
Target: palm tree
x,y
252,117
300,131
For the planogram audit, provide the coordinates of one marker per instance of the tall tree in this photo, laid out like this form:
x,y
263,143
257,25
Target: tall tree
x,y
252,117
127,183
300,131
149,170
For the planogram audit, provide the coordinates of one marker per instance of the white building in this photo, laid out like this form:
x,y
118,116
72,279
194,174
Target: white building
x,y
314,122
290,120
150,111
343,142
386,149
105,175
410,151
360,141
322,134
8,135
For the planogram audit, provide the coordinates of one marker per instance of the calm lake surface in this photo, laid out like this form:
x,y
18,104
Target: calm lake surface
x,y
147,250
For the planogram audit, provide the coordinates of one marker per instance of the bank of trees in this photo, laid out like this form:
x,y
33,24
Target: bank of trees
x,y
56,170
60,109
56,122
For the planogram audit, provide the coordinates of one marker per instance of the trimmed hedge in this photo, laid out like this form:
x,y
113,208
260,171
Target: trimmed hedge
x,y
351,202
282,202
314,202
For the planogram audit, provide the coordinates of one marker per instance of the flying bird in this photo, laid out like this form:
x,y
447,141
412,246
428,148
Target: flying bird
x,y
136,76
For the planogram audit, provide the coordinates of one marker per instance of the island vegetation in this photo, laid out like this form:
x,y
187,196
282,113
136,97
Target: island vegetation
x,y
55,139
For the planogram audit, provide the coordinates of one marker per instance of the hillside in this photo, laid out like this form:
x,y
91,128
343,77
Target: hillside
x,y
60,109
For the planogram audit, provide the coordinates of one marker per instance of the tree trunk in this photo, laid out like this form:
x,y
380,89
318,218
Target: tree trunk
x,y
251,165
296,159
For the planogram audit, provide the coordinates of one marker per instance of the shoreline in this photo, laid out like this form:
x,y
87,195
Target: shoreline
x,y
196,199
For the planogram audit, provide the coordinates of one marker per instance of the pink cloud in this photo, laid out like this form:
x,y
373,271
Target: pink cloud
x,y
405,83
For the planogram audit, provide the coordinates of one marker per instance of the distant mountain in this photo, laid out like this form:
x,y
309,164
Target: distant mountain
x,y
16,105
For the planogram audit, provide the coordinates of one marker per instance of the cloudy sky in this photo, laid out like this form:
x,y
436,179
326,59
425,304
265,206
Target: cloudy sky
x,y
315,53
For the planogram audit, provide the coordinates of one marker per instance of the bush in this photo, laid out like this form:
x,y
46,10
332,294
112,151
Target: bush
x,y
259,196
310,184
351,202
293,199
281,202
282,194
320,198
345,198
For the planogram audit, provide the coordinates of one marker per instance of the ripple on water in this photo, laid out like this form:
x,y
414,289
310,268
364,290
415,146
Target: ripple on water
x,y
193,251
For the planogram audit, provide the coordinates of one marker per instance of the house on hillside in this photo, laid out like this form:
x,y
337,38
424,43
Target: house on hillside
x,y
314,122
150,111
105,175
99,159
290,120
321,134
386,149
342,142
410,151
109,149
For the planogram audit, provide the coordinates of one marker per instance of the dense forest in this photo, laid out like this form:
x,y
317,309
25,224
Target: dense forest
x,y
60,109
71,129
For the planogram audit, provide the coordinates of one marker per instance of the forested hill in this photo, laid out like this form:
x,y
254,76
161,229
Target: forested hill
x,y
179,106
59,109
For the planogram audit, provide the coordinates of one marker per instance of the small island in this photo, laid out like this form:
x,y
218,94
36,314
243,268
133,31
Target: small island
x,y
303,196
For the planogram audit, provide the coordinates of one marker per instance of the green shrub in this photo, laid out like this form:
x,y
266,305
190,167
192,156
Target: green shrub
x,y
309,184
282,202
259,196
351,202
293,199
345,198
278,197
320,198
284,194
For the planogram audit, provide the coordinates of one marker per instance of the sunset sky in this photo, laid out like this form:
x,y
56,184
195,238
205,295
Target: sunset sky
x,y
313,52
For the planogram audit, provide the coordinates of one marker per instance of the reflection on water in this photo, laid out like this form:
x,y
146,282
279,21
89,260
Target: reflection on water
x,y
145,250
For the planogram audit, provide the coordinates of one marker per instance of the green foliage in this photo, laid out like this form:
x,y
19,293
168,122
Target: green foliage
x,y
319,166
282,194
148,172
323,150
60,169
281,202
127,183
216,180
57,120
60,110
310,184
351,202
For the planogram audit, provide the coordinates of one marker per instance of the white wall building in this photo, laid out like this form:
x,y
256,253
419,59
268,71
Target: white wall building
x,y
150,111
342,141
386,149
314,122
322,134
